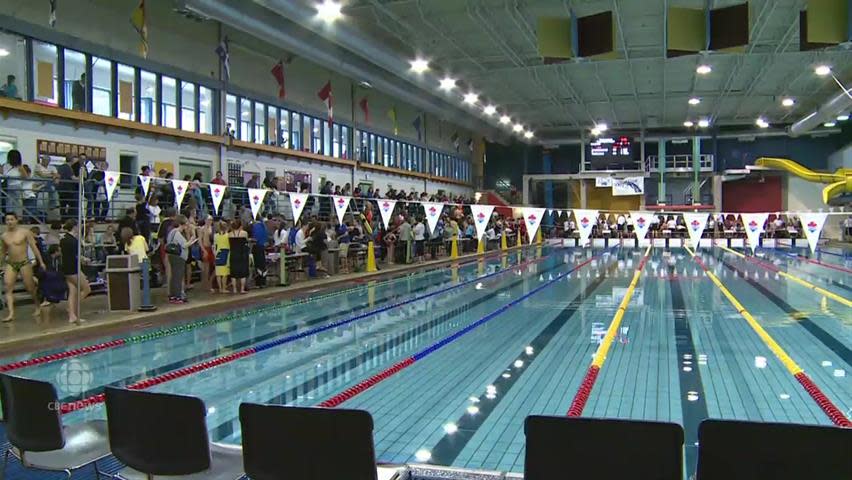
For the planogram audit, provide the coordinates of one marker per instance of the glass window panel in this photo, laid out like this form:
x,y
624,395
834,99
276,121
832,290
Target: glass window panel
x,y
187,106
344,142
74,84
126,95
148,101
13,64
101,86
245,120
326,138
205,110
231,115
169,110
44,73
335,139
296,131
316,135
259,123
284,129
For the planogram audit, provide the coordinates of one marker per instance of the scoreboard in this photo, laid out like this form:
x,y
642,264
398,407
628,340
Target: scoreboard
x,y
611,153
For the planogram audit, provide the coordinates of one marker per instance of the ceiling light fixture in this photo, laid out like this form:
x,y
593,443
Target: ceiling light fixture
x,y
688,124
761,122
505,119
704,123
601,127
448,83
703,69
694,101
528,134
517,128
470,98
595,132
4,52
829,124
822,70
843,118
329,11
419,65
489,110
788,102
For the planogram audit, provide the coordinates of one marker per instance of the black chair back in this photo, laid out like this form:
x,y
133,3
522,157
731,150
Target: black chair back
x,y
158,433
603,449
307,443
31,413
734,450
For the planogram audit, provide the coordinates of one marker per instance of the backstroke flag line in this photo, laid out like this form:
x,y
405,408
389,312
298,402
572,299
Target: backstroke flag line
x,y
386,210
340,206
753,223
433,214
217,193
179,186
256,196
641,223
812,222
532,218
297,204
695,225
585,221
111,181
481,217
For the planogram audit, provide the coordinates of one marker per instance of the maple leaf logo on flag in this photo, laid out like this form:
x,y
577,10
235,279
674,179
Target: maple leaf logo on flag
x,y
584,222
752,225
812,226
297,202
110,180
480,218
256,199
433,211
179,188
385,206
216,191
695,224
340,202
641,222
531,219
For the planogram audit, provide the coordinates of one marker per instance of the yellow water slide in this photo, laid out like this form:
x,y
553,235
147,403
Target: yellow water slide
x,y
838,182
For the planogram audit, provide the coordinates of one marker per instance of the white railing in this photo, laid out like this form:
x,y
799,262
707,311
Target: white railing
x,y
681,162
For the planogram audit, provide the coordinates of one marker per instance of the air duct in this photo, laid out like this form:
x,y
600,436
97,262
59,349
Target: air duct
x,y
828,112
261,23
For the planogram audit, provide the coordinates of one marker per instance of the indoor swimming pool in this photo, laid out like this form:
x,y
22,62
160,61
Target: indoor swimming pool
x,y
450,361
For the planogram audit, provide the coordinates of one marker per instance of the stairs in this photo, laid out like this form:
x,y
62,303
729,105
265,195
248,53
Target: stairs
x,y
492,197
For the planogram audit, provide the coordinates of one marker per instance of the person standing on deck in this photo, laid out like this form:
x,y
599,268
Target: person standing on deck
x,y
15,243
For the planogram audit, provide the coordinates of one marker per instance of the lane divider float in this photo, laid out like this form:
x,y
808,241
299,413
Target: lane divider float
x,y
834,413
817,262
373,380
199,367
805,283
585,390
178,329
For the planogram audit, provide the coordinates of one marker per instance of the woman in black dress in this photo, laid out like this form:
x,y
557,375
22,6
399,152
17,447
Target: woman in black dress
x,y
69,247
239,259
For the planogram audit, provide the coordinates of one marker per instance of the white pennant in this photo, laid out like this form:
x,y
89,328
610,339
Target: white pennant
x,y
217,193
145,181
111,181
585,221
256,196
695,225
532,218
340,206
386,210
753,223
297,204
481,216
550,211
812,223
558,213
179,186
433,214
641,223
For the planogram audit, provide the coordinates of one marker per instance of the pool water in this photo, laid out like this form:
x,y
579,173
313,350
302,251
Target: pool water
x,y
523,331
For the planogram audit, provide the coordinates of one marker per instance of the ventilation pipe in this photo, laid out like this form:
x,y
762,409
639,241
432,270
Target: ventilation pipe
x,y
828,112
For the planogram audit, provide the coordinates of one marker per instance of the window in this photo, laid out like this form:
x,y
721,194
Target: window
x,y
296,131
311,126
101,86
126,94
230,115
245,120
187,106
344,141
284,129
326,137
44,73
169,110
385,152
205,110
259,123
148,97
13,65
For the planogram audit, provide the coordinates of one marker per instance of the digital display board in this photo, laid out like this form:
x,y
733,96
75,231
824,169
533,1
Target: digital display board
x,y
611,153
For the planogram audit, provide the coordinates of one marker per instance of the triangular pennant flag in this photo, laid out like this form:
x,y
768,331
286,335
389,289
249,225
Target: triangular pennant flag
x,y
550,211
179,186
278,74
813,223
297,204
641,223
394,123
111,181
559,214
217,193
145,181
433,214
532,217
256,196
365,107
585,221
340,206
695,224
481,216
753,223
386,210
325,94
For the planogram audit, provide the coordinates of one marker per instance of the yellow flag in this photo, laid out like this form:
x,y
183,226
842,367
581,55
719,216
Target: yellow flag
x,y
392,115
140,24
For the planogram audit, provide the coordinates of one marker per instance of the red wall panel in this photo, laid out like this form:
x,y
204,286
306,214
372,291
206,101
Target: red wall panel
x,y
751,195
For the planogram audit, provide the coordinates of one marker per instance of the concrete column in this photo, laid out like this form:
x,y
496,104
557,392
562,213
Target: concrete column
x,y
661,166
547,167
696,170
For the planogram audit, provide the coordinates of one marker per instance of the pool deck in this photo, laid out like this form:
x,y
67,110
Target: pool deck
x,y
26,334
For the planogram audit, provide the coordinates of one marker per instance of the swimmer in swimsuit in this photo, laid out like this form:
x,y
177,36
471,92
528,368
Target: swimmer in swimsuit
x,y
15,243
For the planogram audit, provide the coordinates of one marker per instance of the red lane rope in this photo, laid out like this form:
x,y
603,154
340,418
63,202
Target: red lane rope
x,y
824,403
826,265
584,392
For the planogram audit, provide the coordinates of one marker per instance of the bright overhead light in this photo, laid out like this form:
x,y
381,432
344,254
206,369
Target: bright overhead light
x,y
528,134
761,122
470,98
703,69
688,124
419,65
329,11
505,119
517,127
843,118
828,124
704,123
694,101
4,52
490,110
822,70
448,84
601,127
788,102
596,132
